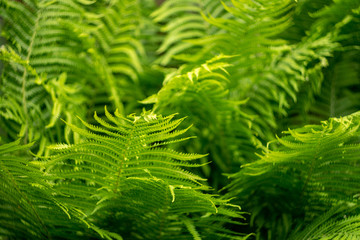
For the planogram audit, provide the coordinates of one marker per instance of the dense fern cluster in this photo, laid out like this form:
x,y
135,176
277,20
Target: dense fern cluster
x,y
250,103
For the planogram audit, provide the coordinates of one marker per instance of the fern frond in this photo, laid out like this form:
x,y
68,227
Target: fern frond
x,y
315,168
265,70
183,21
128,176
334,224
45,34
117,52
127,149
29,206
339,93
203,94
34,31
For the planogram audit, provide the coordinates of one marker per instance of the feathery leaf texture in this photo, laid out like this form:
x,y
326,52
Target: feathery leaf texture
x,y
182,21
219,122
334,224
318,164
129,174
29,206
64,50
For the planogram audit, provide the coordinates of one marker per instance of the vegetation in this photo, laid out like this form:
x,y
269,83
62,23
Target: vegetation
x,y
179,119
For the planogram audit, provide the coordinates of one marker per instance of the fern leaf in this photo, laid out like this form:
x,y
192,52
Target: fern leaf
x,y
126,171
30,207
316,163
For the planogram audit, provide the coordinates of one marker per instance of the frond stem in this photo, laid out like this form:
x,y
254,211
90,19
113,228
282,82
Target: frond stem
x,y
125,153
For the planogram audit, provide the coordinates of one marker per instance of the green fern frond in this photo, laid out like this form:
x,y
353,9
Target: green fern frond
x,y
183,21
127,149
315,168
337,95
34,30
16,205
128,175
203,94
29,206
118,53
45,34
260,25
338,223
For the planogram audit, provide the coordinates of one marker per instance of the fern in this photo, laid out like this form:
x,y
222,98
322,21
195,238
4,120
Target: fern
x,y
240,72
269,74
334,224
106,59
317,165
220,124
118,61
188,25
30,208
21,118
338,95
38,39
266,61
130,175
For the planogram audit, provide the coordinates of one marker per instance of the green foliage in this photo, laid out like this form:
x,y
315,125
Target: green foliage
x,y
220,124
30,207
270,75
130,176
335,224
119,173
318,164
253,79
182,22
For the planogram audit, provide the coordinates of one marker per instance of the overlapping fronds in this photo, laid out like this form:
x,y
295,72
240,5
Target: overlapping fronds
x,y
315,168
265,70
341,222
182,21
131,176
118,52
202,29
16,204
338,96
274,89
339,92
16,101
205,86
239,71
34,34
222,128
29,205
76,50
250,31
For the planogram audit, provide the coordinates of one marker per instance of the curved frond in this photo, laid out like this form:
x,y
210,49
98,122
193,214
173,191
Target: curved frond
x,y
183,21
222,128
34,33
29,206
334,224
315,168
118,53
131,177
338,95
